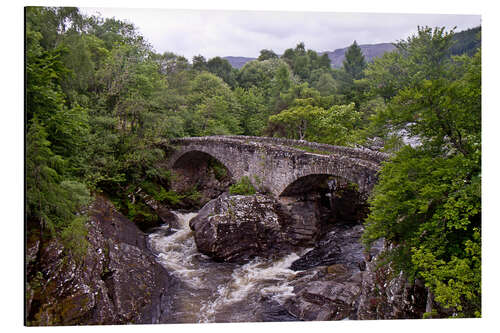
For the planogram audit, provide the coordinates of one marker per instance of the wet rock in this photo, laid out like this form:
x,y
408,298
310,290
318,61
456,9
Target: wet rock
x,y
339,246
118,280
331,297
165,216
237,228
339,280
389,295
305,228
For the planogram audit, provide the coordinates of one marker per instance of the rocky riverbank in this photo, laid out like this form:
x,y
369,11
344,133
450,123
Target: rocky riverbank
x,y
241,258
335,280
118,281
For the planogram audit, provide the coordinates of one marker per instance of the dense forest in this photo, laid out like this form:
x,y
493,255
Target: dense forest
x,y
101,105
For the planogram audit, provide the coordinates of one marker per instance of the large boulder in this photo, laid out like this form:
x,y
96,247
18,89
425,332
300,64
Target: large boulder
x,y
337,280
389,295
340,245
117,281
236,228
164,215
305,212
325,293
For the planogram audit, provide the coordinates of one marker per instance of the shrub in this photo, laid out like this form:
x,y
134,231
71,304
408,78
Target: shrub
x,y
243,187
74,237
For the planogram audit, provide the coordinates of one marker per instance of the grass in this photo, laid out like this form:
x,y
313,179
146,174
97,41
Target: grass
x,y
312,150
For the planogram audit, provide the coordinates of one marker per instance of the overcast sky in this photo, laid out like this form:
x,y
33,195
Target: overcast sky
x,y
244,33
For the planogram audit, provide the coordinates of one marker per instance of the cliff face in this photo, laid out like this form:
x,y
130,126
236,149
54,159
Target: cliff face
x,y
117,282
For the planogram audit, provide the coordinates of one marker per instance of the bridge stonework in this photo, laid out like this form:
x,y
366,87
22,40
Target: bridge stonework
x,y
274,164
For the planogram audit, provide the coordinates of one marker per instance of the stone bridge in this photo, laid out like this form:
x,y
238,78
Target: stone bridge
x,y
278,165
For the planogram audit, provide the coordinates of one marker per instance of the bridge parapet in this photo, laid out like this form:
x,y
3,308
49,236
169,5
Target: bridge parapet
x,y
360,153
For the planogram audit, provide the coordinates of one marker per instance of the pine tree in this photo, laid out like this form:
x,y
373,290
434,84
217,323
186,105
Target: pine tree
x,y
354,62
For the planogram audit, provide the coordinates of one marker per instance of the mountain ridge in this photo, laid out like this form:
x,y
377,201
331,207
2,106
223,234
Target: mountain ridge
x,y
370,51
466,41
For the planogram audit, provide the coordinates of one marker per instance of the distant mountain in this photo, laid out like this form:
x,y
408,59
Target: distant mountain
x,y
466,41
238,62
370,51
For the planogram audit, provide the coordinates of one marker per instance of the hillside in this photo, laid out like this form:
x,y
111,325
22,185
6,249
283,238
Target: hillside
x,y
466,41
238,62
370,51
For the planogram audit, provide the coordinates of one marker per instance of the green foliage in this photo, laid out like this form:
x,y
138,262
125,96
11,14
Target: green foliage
x,y
215,110
267,54
51,200
100,104
243,187
354,62
192,194
427,202
223,69
220,171
199,63
325,84
466,42
171,197
307,121
140,212
456,282
74,238
303,62
254,110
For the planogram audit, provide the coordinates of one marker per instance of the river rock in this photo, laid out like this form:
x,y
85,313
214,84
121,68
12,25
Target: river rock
x,y
331,295
236,228
305,212
165,216
338,279
117,281
340,245
387,294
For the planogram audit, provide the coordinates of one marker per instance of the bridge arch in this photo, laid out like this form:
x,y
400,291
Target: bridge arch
x,y
193,158
312,183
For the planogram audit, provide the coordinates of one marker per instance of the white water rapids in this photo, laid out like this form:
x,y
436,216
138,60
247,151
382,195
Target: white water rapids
x,y
219,292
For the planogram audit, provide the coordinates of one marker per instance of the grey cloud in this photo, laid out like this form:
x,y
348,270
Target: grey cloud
x,y
245,33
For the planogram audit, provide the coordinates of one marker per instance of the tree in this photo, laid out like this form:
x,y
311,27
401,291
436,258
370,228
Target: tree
x,y
199,63
270,76
306,120
349,77
266,55
50,201
223,69
387,74
354,62
216,110
324,61
255,112
427,202
326,85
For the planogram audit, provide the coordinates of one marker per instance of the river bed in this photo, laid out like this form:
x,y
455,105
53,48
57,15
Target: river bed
x,y
210,291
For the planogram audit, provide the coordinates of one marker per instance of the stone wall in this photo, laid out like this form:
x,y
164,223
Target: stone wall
x,y
273,164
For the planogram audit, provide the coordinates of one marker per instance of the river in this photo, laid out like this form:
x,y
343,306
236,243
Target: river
x,y
210,291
